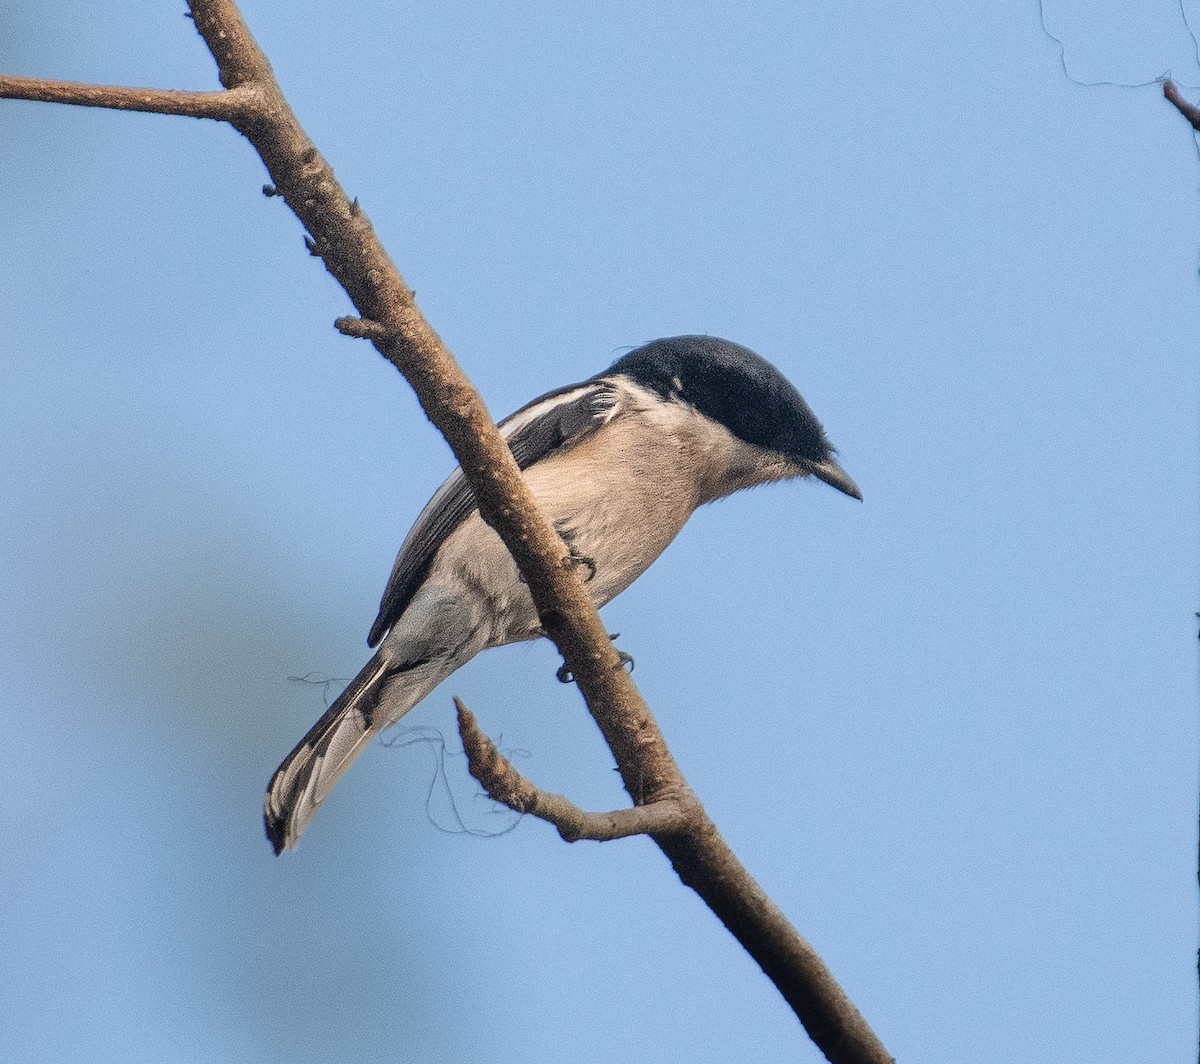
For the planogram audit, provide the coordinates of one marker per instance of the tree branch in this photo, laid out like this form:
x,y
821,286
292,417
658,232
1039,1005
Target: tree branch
x,y
342,236
507,786
219,105
1189,110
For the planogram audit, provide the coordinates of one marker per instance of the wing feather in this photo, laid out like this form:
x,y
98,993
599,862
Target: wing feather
x,y
551,423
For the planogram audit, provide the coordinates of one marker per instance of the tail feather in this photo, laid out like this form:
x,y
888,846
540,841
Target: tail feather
x,y
441,632
307,775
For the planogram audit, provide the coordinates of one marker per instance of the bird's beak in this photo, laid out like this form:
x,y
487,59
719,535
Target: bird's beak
x,y
835,476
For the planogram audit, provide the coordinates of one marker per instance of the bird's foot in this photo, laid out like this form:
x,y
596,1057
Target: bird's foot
x,y
572,559
565,675
586,562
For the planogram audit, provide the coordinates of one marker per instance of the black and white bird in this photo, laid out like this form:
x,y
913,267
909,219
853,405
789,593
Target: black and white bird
x,y
617,463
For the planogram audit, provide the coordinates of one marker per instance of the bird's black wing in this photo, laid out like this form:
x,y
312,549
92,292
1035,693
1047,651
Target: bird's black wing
x,y
550,423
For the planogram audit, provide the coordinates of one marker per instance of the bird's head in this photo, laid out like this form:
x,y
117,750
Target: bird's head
x,y
743,392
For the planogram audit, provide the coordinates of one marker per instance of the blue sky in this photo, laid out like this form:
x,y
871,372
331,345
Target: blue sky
x,y
952,730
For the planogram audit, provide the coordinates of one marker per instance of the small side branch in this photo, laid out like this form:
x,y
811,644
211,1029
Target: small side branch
x,y
508,787
223,106
1189,110
361,329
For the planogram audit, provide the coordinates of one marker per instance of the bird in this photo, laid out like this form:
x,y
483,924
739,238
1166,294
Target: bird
x,y
618,463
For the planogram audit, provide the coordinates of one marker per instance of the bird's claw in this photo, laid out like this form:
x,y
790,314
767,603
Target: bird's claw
x,y
584,560
572,559
565,675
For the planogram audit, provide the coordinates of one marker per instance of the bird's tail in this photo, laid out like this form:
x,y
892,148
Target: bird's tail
x,y
375,699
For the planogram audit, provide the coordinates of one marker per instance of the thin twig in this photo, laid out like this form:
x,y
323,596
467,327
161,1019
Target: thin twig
x,y
222,106
507,786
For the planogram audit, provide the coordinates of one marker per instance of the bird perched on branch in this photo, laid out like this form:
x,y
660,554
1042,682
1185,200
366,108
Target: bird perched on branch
x,y
618,464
